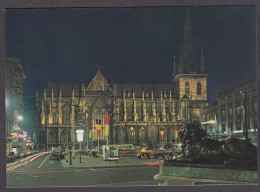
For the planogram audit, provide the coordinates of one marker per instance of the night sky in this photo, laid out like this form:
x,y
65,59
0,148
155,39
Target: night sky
x,y
132,45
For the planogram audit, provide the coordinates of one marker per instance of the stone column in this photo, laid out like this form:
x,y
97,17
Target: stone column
x,y
126,134
234,112
227,111
59,135
250,111
73,140
219,117
137,134
242,107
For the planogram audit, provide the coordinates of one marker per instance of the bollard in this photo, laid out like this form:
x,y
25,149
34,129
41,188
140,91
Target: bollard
x,y
80,157
70,157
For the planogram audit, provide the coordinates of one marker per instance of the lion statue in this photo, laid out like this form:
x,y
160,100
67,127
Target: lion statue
x,y
198,148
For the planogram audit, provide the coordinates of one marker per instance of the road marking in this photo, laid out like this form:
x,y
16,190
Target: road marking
x,y
44,161
92,169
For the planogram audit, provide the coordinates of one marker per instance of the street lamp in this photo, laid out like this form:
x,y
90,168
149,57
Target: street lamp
x,y
80,139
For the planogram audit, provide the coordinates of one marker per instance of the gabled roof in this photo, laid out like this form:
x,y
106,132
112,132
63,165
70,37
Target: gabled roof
x,y
98,83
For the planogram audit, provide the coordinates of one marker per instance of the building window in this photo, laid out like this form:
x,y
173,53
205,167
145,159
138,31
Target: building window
x,y
223,114
55,118
255,108
142,135
52,137
66,115
199,88
238,98
255,123
238,124
187,88
223,127
131,135
63,137
230,114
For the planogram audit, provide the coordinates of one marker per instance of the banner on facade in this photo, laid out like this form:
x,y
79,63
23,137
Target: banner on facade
x,y
161,135
98,127
90,130
107,123
176,132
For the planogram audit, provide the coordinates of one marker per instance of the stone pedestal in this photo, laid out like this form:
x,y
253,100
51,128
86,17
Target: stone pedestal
x,y
181,174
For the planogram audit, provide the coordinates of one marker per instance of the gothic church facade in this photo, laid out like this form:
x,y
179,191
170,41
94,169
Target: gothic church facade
x,y
142,114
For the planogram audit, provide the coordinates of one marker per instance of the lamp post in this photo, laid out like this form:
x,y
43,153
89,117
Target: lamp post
x,y
20,136
245,114
80,139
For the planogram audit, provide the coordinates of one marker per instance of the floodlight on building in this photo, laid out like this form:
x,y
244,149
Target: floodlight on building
x,y
208,122
20,117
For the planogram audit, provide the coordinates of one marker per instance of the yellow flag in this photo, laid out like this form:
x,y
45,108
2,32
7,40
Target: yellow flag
x,y
90,134
106,130
176,134
98,127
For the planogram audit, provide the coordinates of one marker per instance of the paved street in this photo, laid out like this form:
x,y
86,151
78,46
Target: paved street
x,y
43,172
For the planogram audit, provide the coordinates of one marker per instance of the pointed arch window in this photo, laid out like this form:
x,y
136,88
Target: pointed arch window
x,y
131,135
63,137
142,135
187,88
66,114
199,88
52,137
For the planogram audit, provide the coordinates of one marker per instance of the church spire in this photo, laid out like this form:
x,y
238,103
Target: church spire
x,y
188,53
187,25
174,67
202,63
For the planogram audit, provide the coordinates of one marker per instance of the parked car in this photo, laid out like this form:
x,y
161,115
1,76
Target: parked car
x,y
57,153
22,154
10,157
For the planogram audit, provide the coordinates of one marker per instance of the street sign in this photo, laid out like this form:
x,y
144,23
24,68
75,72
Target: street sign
x,y
71,143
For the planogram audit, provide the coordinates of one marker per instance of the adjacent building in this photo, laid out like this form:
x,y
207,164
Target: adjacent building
x,y
141,114
14,103
234,113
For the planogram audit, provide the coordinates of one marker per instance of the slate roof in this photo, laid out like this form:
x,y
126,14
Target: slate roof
x,y
66,89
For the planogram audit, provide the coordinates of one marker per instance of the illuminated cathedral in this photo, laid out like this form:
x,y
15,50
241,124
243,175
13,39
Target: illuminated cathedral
x,y
138,114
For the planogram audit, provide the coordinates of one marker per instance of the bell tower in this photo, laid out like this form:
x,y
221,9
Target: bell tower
x,y
189,75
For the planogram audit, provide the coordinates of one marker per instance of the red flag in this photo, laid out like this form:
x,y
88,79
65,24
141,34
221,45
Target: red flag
x,y
175,128
161,134
98,133
107,119
91,126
